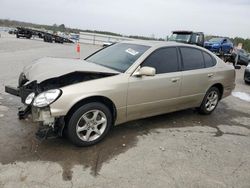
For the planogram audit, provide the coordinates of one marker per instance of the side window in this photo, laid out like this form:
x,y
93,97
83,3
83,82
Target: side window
x,y
163,60
195,38
209,61
192,58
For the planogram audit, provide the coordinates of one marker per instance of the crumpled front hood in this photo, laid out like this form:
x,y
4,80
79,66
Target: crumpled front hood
x,y
49,67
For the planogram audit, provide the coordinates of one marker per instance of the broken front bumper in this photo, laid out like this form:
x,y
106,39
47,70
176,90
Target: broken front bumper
x,y
21,92
42,115
12,90
50,127
23,112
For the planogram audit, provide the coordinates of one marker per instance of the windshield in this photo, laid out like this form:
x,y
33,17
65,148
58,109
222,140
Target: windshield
x,y
216,40
180,37
119,56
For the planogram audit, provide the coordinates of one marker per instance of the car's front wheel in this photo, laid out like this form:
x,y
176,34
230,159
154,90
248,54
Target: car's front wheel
x,y
246,81
89,124
210,101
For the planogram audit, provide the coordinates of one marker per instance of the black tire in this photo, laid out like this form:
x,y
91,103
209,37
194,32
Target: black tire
x,y
77,115
203,109
239,61
246,63
246,82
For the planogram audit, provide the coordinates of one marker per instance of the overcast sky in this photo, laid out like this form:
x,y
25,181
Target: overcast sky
x,y
136,17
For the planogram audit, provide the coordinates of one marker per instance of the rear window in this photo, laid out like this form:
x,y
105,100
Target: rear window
x,y
192,58
209,60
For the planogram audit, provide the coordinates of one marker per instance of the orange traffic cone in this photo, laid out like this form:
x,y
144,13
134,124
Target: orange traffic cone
x,y
78,49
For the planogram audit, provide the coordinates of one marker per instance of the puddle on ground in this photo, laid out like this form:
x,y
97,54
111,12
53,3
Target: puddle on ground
x,y
242,96
18,143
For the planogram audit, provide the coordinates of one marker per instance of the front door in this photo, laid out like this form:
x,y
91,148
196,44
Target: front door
x,y
152,95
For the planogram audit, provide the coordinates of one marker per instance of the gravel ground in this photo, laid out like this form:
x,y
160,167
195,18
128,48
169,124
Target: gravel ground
x,y
181,149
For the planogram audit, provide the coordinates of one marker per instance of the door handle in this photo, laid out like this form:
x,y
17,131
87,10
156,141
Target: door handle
x,y
175,79
210,75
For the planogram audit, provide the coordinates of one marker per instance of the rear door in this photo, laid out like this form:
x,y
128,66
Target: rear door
x,y
151,95
195,76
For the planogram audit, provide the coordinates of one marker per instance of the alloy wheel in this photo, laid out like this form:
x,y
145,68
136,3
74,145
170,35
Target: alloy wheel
x,y
91,125
212,100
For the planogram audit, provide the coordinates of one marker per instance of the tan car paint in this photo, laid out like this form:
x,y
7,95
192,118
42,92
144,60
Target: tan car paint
x,y
138,97
113,88
150,95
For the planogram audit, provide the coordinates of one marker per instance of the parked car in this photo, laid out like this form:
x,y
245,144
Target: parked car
x,y
219,45
247,74
243,56
105,44
22,32
75,37
123,82
188,37
12,31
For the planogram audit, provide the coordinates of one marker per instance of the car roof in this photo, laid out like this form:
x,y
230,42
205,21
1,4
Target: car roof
x,y
160,44
157,44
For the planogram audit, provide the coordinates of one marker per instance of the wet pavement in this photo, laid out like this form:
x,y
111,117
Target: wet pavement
x,y
172,150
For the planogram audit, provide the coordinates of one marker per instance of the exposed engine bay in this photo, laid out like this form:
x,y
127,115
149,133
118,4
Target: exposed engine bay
x,y
26,87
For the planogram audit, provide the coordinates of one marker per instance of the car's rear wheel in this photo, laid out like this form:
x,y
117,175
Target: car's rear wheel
x,y
246,82
89,124
210,101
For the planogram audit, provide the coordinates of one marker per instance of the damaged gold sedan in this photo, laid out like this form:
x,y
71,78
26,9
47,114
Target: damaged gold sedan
x,y
120,83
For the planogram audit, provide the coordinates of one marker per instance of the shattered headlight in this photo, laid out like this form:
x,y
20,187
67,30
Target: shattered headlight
x,y
30,98
47,97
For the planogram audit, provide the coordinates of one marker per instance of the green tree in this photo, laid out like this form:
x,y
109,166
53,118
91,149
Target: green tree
x,y
62,28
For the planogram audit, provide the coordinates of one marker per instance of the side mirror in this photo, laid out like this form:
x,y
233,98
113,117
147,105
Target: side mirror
x,y
237,67
146,71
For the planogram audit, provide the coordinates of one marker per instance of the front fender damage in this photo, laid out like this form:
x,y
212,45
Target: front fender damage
x,y
49,126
